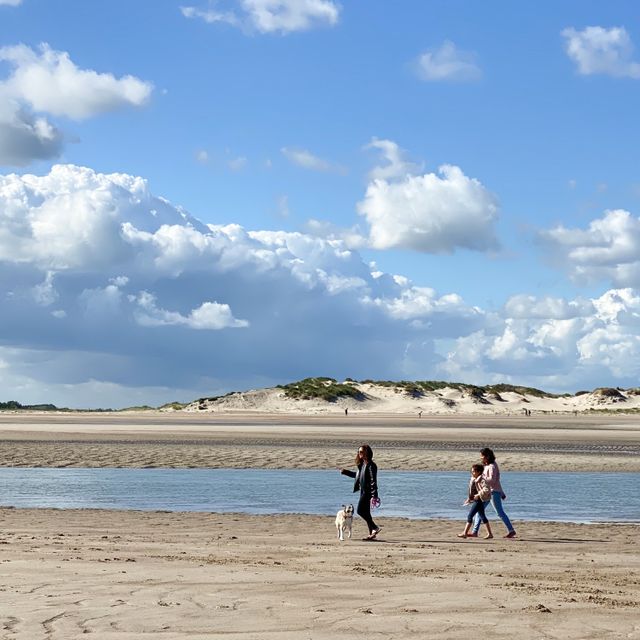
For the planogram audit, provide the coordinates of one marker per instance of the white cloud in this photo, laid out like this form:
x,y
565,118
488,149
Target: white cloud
x,y
429,213
447,62
597,50
271,16
75,218
209,315
210,16
609,249
10,3
307,160
50,82
395,163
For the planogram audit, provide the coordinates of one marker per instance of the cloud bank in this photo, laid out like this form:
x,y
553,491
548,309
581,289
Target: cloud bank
x,y
114,293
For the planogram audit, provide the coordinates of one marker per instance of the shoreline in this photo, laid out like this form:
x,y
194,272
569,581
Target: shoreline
x,y
493,519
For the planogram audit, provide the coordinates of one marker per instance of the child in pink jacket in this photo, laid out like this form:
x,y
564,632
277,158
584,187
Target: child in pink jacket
x,y
479,492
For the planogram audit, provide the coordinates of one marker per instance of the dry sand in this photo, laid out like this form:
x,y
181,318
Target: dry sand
x,y
134,575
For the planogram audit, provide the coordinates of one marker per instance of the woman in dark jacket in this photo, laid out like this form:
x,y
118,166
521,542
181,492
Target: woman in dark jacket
x,y
366,481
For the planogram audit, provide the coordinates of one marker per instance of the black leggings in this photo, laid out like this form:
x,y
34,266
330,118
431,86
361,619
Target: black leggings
x,y
364,511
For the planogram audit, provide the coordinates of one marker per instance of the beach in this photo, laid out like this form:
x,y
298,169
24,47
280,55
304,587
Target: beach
x,y
130,574
258,440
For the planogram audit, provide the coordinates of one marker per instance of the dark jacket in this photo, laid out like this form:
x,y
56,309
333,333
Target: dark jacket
x,y
367,485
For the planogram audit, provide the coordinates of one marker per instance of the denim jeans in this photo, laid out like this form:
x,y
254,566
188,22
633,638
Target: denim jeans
x,y
496,501
477,509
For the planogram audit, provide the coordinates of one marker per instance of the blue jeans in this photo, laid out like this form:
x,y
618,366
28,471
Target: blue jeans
x,y
477,509
496,501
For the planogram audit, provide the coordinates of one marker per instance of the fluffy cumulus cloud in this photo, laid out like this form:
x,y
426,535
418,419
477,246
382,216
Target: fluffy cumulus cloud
x,y
609,249
596,50
43,83
431,213
48,81
554,343
448,63
269,16
123,290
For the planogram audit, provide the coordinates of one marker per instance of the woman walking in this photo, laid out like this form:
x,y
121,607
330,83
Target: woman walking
x,y
366,481
491,475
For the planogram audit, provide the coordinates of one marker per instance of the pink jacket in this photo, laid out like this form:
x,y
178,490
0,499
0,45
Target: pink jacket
x,y
491,475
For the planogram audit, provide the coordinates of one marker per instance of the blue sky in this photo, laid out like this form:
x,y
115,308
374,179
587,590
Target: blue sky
x,y
413,190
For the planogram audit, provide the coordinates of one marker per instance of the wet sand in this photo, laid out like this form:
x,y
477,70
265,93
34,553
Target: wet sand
x,y
542,443
133,575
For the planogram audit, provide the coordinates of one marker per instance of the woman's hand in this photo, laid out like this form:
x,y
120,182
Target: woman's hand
x,y
375,502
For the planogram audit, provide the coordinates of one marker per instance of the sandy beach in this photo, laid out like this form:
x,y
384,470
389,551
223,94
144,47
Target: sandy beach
x,y
130,575
153,439
127,575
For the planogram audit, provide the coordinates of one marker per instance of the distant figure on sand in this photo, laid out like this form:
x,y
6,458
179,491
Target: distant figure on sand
x,y
346,412
479,492
366,481
491,475
419,414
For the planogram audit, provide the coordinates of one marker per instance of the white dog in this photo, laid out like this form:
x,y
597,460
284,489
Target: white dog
x,y
344,521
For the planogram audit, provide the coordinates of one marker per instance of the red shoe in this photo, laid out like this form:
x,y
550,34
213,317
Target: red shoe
x,y
511,534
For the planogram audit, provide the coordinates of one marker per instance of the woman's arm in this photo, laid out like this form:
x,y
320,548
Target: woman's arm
x,y
348,472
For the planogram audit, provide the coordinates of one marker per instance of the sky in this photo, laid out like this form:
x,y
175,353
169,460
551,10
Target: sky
x,y
221,195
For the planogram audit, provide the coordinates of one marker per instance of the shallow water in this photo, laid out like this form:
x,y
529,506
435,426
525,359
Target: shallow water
x,y
563,497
